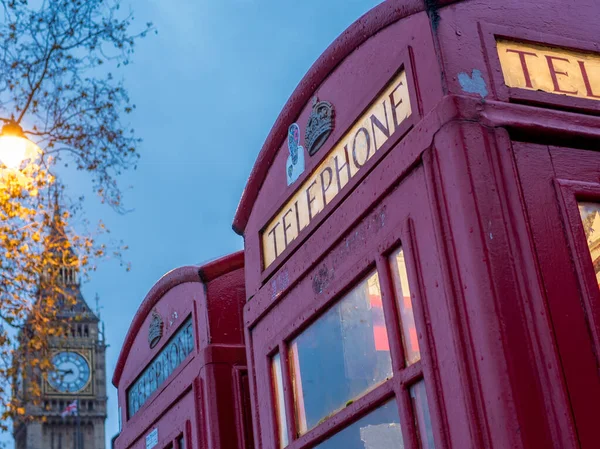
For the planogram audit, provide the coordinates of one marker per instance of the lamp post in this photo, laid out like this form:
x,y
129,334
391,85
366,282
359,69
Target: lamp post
x,y
15,147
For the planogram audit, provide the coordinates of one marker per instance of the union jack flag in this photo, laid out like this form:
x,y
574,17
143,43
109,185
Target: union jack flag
x,y
70,410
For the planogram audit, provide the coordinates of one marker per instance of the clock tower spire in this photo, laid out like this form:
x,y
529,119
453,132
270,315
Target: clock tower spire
x,y
79,374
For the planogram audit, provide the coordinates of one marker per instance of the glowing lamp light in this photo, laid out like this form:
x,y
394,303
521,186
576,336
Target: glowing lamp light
x,y
12,151
15,147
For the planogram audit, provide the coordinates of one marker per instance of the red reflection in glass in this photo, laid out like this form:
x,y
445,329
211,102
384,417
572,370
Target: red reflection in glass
x,y
410,339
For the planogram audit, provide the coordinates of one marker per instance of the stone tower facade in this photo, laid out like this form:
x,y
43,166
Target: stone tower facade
x,y
79,374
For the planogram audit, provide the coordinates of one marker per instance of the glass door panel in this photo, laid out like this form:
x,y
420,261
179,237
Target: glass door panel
x,y
340,357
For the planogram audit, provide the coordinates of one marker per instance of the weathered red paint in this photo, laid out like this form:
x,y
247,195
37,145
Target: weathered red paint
x,y
482,194
206,397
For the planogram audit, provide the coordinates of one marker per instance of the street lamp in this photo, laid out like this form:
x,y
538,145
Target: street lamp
x,y
15,147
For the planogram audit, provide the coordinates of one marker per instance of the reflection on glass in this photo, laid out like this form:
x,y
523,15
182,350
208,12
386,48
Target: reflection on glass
x,y
380,429
590,217
410,340
181,442
279,400
341,356
422,416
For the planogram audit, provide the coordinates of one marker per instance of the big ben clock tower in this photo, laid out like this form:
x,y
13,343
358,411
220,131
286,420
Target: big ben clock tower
x,y
79,376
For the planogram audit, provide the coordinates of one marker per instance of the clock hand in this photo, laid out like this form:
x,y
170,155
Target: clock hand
x,y
65,371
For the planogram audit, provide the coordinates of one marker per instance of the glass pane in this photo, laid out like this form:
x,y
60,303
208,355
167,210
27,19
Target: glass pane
x,y
181,442
410,339
422,416
590,217
380,429
279,400
341,356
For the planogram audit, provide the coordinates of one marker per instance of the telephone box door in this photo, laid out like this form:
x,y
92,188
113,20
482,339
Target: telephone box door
x,y
561,191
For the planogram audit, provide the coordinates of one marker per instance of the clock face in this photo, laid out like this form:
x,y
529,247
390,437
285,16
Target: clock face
x,y
71,372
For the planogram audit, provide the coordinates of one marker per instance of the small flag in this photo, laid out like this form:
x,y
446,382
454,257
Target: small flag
x,y
70,410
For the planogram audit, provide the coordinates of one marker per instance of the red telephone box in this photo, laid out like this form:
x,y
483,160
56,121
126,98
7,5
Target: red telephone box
x,y
181,375
418,230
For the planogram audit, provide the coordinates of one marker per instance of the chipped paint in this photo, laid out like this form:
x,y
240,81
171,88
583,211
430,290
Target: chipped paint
x,y
322,279
474,83
279,283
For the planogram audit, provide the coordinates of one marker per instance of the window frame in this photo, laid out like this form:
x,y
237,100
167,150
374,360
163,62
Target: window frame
x,y
571,194
404,376
181,433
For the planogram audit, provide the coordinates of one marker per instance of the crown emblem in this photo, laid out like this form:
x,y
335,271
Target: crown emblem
x,y
156,329
320,125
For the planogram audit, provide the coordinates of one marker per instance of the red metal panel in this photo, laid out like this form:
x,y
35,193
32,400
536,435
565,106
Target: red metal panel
x,y
540,168
402,63
500,346
458,29
509,372
363,74
178,302
335,270
202,387
498,316
572,192
167,282
173,422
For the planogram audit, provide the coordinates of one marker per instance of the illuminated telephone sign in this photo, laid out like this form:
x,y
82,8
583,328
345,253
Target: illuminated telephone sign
x,y
550,69
162,366
386,113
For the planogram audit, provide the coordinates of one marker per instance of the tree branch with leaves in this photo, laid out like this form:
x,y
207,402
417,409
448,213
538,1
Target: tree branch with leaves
x,y
59,67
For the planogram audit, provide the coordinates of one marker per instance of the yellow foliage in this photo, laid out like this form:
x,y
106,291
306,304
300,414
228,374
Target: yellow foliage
x,y
37,248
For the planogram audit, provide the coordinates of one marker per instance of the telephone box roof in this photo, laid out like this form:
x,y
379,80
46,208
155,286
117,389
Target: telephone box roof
x,y
192,273
359,32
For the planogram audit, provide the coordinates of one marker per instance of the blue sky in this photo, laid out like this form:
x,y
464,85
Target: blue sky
x,y
208,88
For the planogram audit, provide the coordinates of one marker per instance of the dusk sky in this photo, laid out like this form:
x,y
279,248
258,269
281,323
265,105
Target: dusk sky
x,y
208,87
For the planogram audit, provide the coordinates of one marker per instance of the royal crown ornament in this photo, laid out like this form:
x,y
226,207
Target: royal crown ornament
x,y
320,125
156,329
